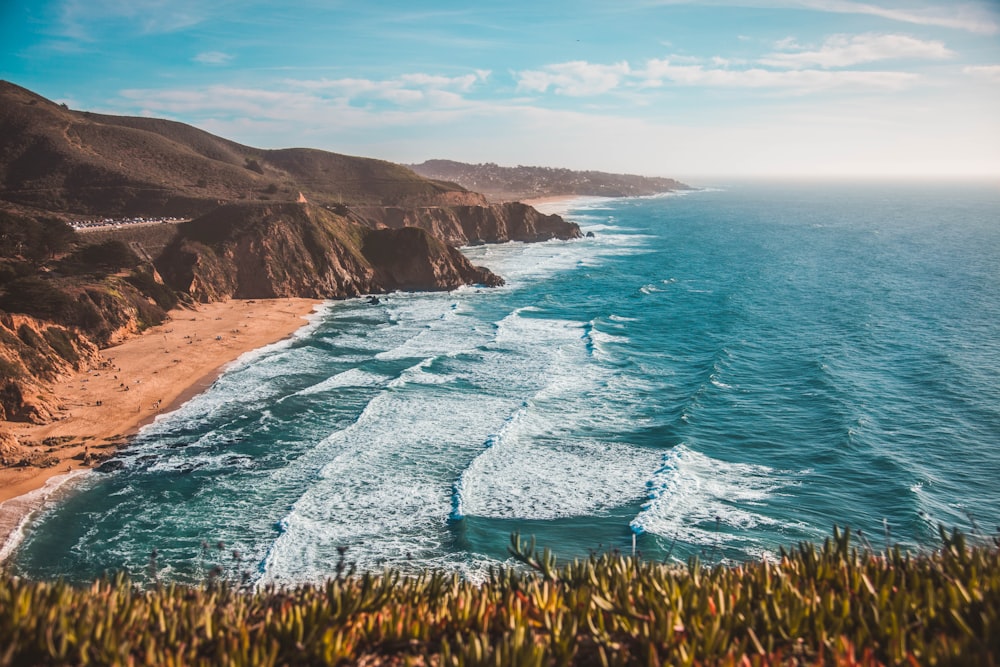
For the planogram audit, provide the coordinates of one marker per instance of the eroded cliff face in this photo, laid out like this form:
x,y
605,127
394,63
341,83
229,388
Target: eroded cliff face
x,y
411,259
34,355
469,225
283,250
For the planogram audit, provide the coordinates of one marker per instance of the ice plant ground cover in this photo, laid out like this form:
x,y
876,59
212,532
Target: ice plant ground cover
x,y
835,603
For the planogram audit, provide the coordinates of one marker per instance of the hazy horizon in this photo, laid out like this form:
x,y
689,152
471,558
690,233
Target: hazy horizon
x,y
703,92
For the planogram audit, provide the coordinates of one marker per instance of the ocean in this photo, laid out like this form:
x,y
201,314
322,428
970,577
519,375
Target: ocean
x,y
716,373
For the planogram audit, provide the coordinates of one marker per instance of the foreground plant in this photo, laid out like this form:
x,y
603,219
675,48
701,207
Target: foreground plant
x,y
830,604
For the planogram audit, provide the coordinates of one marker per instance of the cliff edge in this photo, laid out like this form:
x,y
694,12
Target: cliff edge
x,y
260,250
472,225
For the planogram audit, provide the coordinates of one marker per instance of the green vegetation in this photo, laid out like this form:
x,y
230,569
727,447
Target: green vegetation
x,y
831,604
35,240
38,297
144,281
105,257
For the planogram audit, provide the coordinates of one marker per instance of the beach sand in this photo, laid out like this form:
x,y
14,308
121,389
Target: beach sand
x,y
557,204
145,376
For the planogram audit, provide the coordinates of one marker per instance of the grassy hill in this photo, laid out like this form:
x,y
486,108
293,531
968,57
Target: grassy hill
x,y
56,159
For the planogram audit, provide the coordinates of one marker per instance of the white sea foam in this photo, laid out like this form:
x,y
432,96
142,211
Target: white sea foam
x,y
385,487
384,484
692,495
352,377
524,475
17,513
538,465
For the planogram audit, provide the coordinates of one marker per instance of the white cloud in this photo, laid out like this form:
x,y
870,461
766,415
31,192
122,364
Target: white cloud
x,y
411,99
847,50
576,78
404,90
960,16
989,72
82,19
977,17
659,72
213,58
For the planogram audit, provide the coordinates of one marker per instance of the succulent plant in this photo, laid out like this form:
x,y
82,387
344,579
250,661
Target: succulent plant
x,y
818,604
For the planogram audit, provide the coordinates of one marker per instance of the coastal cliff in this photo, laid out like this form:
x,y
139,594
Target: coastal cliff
x,y
471,225
292,222
33,355
281,250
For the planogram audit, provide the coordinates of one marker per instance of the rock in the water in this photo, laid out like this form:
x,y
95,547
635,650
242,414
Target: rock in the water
x,y
111,466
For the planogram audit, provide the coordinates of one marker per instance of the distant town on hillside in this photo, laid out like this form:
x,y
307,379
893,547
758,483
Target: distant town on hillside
x,y
521,182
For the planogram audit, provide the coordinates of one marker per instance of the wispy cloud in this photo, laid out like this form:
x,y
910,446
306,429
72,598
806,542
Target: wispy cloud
x,y
960,16
847,50
989,72
661,72
577,78
87,20
580,79
213,58
409,98
977,17
404,90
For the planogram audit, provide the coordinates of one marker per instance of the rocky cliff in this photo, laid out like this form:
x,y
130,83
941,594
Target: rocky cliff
x,y
290,249
33,355
470,225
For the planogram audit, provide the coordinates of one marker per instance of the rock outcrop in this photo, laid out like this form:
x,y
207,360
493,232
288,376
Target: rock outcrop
x,y
291,249
33,355
470,225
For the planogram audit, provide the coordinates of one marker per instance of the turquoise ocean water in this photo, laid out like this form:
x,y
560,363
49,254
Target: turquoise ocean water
x,y
717,373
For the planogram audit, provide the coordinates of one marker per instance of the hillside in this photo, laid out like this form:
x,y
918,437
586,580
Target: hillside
x,y
519,183
71,162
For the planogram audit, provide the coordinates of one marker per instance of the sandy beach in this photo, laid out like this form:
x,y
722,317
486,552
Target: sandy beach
x,y
557,204
144,376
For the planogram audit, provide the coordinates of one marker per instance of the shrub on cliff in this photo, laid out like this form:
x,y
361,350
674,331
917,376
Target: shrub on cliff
x,y
144,281
34,240
107,257
38,297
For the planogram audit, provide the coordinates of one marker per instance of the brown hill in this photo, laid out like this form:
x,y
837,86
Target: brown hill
x,y
56,159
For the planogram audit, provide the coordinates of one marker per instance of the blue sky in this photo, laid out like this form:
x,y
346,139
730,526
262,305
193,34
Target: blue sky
x,y
691,89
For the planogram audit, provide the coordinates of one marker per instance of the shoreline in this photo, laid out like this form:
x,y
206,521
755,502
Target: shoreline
x,y
561,204
150,374
551,204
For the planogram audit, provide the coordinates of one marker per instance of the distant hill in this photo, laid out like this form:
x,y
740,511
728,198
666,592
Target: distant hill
x,y
59,160
518,183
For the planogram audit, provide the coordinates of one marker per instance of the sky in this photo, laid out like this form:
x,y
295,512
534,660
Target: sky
x,y
690,89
